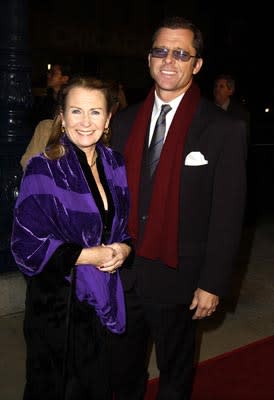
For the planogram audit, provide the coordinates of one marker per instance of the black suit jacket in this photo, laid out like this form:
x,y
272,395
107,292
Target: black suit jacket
x,y
212,202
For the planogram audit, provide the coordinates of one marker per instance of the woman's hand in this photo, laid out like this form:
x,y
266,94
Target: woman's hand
x,y
121,252
97,255
107,258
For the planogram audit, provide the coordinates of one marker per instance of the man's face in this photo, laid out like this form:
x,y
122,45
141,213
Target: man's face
x,y
55,78
221,92
172,76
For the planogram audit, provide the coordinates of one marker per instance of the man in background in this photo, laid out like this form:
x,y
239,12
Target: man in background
x,y
224,97
38,141
44,111
45,106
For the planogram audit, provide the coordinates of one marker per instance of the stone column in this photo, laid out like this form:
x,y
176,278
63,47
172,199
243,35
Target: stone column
x,y
15,105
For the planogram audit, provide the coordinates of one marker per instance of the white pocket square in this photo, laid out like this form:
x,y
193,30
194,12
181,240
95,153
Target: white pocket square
x,y
195,158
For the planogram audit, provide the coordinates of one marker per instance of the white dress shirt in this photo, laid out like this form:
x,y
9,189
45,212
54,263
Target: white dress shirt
x,y
156,111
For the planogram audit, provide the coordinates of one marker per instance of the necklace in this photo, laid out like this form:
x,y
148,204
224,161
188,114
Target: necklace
x,y
93,161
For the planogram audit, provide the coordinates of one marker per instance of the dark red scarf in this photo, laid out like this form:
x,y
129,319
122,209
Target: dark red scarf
x,y
160,240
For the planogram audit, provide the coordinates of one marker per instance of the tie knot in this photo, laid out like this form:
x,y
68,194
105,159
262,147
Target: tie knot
x,y
165,109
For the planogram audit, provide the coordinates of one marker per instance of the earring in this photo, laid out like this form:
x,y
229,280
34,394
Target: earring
x,y
63,129
106,136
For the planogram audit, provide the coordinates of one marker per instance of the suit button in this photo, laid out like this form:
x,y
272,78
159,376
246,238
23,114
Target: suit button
x,y
144,217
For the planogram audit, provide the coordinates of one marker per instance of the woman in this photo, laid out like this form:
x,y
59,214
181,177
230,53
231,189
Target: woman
x,y
69,238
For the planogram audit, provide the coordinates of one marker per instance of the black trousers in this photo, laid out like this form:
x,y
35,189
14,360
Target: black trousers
x,y
88,358
173,331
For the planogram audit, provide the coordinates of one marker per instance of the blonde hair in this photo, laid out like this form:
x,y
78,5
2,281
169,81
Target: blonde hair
x,y
55,148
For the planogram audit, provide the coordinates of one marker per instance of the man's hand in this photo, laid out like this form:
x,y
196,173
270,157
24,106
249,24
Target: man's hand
x,y
204,302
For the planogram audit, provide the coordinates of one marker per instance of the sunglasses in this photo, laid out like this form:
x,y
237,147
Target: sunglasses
x,y
162,52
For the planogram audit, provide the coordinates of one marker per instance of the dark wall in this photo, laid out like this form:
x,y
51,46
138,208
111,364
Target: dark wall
x,y
113,39
100,37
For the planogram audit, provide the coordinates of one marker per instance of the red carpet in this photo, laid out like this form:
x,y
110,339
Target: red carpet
x,y
246,373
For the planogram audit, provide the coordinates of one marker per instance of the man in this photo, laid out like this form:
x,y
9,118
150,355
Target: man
x,y
224,89
44,111
186,215
38,141
45,106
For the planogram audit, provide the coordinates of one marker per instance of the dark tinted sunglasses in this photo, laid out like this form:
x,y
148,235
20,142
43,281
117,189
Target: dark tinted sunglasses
x,y
162,52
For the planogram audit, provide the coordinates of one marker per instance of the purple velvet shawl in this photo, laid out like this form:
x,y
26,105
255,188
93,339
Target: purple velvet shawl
x,y
55,206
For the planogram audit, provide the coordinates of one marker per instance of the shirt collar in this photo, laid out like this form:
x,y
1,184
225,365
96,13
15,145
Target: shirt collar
x,y
173,103
225,105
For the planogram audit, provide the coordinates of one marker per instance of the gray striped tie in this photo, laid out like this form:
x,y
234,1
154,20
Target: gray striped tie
x,y
157,140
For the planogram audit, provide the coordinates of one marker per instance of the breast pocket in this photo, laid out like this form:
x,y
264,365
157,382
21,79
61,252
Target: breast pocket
x,y
194,176
196,193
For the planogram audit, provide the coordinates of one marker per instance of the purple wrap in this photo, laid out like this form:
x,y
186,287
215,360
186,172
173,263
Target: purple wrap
x,y
55,206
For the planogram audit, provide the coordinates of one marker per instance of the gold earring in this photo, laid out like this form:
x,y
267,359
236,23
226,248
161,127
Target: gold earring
x,y
63,129
106,136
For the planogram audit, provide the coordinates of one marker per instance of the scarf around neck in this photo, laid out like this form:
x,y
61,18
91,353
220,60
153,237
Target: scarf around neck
x,y
161,235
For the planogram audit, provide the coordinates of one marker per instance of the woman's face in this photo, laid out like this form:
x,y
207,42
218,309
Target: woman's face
x,y
85,117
